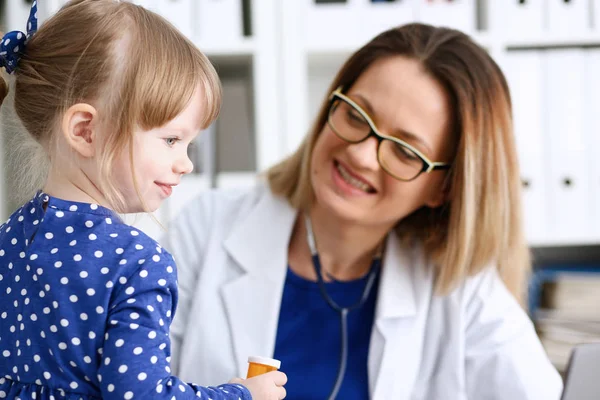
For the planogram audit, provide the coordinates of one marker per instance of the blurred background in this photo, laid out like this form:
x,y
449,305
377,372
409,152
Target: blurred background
x,y
277,57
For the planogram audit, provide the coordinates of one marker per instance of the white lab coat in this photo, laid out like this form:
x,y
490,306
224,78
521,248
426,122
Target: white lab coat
x,y
231,252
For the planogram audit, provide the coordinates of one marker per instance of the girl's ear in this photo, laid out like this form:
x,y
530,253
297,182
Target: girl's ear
x,y
79,128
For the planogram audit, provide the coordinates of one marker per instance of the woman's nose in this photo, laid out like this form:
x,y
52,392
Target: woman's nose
x,y
364,154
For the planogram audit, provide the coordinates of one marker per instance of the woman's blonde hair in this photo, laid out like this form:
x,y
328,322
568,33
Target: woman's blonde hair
x,y
128,61
481,223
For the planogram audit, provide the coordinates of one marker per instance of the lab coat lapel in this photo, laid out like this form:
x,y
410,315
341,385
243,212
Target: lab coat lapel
x,y
259,246
397,336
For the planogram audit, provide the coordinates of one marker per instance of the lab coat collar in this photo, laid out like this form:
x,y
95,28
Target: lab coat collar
x,y
258,243
263,235
397,287
396,342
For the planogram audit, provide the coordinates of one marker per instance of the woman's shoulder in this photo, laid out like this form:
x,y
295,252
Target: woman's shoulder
x,y
484,297
486,284
224,205
477,286
234,216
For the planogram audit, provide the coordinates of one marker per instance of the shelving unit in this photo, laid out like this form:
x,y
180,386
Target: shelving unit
x,y
287,52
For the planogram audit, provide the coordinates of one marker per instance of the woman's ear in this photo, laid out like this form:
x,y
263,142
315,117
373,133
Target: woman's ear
x,y
437,198
79,128
441,194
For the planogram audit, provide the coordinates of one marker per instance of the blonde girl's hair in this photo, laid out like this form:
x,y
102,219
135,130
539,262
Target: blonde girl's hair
x,y
127,61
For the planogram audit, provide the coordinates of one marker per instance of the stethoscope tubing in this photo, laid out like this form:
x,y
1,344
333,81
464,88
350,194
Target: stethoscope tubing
x,y
343,311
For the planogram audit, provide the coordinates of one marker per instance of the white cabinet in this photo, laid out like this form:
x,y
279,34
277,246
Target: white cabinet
x,y
276,59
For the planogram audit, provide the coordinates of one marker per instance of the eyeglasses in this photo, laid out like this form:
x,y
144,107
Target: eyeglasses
x,y
398,158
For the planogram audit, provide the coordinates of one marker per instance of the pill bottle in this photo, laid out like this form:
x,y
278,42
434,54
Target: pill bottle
x,y
261,365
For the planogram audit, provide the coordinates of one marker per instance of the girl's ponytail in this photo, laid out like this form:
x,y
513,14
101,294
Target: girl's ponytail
x,y
3,89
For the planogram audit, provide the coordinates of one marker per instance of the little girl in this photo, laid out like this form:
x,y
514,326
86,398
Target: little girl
x,y
114,95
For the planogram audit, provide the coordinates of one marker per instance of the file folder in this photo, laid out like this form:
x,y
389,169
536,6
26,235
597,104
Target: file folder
x,y
457,14
566,165
523,70
218,21
518,18
592,135
179,13
566,17
17,13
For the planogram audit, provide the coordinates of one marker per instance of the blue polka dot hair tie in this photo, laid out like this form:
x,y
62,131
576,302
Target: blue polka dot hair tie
x,y
13,43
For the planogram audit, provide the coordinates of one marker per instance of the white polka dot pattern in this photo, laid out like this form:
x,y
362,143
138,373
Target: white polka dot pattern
x,y
91,299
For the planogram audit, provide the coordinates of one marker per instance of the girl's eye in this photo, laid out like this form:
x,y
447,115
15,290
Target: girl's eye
x,y
171,141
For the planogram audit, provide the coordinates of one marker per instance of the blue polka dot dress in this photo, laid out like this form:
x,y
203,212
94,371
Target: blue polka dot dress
x,y
86,302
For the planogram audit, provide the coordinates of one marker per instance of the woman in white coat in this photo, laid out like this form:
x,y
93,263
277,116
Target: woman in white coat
x,y
389,244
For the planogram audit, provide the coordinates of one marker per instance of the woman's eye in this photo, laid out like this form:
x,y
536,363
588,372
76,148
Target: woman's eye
x,y
355,118
405,153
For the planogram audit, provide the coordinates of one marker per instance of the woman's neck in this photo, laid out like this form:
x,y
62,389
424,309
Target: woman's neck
x,y
346,249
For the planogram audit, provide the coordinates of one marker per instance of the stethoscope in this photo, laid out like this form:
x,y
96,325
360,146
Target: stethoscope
x,y
343,311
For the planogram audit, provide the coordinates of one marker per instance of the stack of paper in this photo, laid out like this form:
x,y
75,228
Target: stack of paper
x,y
570,315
